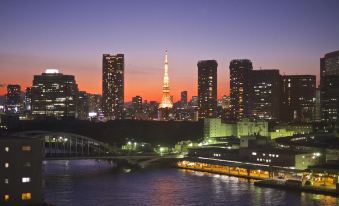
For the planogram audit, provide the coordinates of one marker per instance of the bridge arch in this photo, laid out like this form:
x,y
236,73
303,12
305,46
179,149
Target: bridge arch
x,y
62,144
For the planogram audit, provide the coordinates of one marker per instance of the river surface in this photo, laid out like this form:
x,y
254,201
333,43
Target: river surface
x,y
93,183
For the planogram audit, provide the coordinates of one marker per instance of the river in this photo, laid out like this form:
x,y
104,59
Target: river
x,y
93,183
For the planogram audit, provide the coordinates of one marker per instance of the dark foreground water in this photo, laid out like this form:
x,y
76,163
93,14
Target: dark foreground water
x,y
92,183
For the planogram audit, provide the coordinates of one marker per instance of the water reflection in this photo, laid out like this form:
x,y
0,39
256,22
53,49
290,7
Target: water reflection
x,y
82,183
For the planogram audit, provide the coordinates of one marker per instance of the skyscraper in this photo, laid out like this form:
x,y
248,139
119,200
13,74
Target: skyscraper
x,y
13,99
183,99
329,87
54,95
240,88
137,104
265,101
207,88
113,86
298,98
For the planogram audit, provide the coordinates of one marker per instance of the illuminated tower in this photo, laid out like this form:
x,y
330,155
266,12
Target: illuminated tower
x,y
166,98
166,102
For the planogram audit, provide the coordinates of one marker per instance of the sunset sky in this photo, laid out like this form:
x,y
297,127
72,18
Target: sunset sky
x,y
72,35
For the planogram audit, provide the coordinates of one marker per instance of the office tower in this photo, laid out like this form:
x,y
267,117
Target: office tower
x,y
207,88
137,107
82,105
21,170
113,86
166,101
28,100
265,100
54,95
329,87
298,98
240,88
183,99
13,99
317,115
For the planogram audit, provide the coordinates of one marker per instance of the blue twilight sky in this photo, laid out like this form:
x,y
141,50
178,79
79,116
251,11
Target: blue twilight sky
x,y
72,35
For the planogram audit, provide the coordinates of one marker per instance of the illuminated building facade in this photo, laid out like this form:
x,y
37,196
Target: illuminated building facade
x,y
82,105
298,98
265,101
21,171
13,99
54,95
183,98
113,67
329,87
137,107
240,88
28,100
166,102
207,88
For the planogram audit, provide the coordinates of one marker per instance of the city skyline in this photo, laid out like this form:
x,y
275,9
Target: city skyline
x,y
293,44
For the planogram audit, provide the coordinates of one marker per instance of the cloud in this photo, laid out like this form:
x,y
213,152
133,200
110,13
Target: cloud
x,y
2,85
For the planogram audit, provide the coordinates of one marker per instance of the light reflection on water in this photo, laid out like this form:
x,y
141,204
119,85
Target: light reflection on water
x,y
87,182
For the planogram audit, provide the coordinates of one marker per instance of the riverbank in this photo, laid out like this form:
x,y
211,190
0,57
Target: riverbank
x,y
263,178
282,185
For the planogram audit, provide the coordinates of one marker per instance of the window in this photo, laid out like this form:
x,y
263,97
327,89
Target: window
x,y
26,179
26,148
6,198
6,181
26,196
27,164
6,164
7,149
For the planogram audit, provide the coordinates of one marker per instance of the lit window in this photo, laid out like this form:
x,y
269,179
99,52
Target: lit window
x,y
26,148
276,155
27,164
6,181
6,164
26,196
26,179
7,149
6,198
254,153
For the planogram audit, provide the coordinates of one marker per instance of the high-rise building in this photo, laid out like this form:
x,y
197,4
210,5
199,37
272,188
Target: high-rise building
x,y
21,170
13,99
298,98
54,95
82,105
137,105
113,86
329,87
240,88
167,100
28,100
265,101
207,88
183,99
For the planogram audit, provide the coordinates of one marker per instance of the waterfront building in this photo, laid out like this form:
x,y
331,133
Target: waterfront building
x,y
94,104
240,88
54,95
214,128
247,127
265,101
166,103
21,171
207,88
113,67
13,99
298,98
329,86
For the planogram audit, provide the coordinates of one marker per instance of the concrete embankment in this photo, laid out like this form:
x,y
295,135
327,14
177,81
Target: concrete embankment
x,y
282,185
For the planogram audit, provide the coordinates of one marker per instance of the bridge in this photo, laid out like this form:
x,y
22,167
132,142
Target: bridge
x,y
69,146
